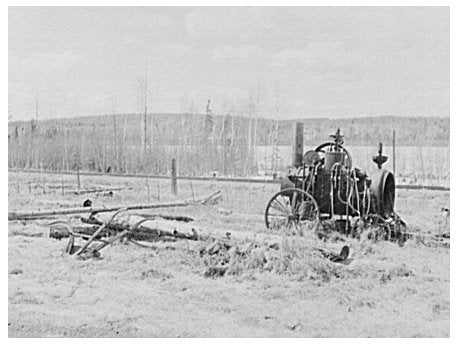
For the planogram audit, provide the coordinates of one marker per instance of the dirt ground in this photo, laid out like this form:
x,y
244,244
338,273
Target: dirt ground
x,y
384,291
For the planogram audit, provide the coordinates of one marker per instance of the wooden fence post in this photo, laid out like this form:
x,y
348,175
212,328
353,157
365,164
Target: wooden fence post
x,y
78,178
192,189
62,179
158,190
43,183
147,189
174,178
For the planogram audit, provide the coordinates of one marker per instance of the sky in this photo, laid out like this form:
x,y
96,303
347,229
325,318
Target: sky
x,y
275,62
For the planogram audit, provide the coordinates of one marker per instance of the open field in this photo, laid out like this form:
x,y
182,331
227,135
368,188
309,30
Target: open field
x,y
384,291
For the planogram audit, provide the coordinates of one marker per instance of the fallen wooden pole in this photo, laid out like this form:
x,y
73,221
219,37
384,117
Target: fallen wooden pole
x,y
30,215
181,218
95,190
145,228
65,186
142,233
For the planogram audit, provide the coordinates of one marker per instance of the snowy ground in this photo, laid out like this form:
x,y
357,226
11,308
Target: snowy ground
x,y
385,291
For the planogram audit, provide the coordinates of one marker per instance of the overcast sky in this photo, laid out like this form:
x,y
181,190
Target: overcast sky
x,y
298,62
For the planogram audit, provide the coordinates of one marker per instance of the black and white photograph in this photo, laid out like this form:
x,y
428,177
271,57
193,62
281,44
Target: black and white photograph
x,y
228,171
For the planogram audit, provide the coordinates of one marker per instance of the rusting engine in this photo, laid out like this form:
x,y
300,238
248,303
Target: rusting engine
x,y
324,187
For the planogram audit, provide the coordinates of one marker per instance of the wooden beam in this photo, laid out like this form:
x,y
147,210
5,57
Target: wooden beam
x,y
28,215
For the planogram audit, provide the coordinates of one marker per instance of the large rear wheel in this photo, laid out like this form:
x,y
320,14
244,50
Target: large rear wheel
x,y
293,211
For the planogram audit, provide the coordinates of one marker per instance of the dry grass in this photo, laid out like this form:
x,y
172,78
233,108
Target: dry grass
x,y
384,290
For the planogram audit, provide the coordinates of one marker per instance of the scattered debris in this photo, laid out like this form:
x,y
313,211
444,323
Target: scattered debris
x,y
222,252
119,225
222,256
296,326
342,256
26,234
213,199
275,246
16,272
224,211
213,248
57,232
215,271
156,274
401,271
218,251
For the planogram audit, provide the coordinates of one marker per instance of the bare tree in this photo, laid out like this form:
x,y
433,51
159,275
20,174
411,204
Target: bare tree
x,y
254,97
123,155
273,142
143,82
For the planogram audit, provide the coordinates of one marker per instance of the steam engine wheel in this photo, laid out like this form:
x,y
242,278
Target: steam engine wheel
x,y
292,210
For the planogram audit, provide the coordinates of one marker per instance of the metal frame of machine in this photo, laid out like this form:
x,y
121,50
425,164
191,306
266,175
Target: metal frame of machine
x,y
324,186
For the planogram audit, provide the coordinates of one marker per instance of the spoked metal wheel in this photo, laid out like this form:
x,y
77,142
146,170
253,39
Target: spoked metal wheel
x,y
293,211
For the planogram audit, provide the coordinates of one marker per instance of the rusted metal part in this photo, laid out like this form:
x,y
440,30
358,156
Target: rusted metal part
x,y
335,191
85,251
101,228
380,159
133,231
334,257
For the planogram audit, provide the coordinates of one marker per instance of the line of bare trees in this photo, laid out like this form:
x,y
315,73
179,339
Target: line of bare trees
x,y
202,144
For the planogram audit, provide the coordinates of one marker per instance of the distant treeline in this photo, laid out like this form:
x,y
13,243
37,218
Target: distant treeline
x,y
410,131
201,143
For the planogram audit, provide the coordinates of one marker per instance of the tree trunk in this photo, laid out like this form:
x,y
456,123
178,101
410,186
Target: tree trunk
x,y
115,143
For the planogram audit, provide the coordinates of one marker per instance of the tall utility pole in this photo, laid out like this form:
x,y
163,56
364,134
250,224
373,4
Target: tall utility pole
x,y
394,153
232,157
298,144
